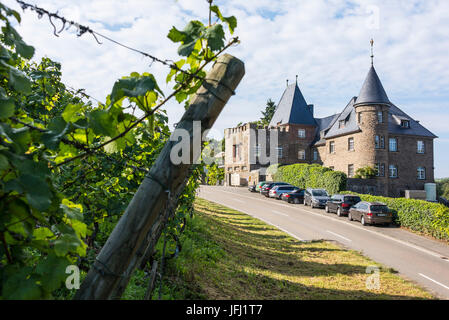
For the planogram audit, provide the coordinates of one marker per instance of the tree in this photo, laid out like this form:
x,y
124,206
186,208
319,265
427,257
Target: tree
x,y
366,173
268,113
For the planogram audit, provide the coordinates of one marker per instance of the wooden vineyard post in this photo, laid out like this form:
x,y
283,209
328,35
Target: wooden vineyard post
x,y
131,233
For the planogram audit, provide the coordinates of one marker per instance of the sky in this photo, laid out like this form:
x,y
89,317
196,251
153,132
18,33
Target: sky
x,y
324,42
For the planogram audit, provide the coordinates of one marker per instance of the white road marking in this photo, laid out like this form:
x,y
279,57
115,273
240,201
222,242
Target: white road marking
x,y
277,212
337,235
434,281
434,254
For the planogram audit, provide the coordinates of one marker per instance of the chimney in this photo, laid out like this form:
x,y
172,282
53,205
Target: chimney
x,y
311,109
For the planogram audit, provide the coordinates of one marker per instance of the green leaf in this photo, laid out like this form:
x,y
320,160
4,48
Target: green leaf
x,y
215,37
133,87
101,123
56,131
7,107
65,244
37,191
52,272
175,35
19,286
231,21
70,113
42,233
4,163
19,81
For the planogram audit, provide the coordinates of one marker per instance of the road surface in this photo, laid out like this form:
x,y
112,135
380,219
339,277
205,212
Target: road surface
x,y
420,259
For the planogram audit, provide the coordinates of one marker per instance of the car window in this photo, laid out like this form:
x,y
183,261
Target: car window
x,y
379,208
352,199
319,193
335,198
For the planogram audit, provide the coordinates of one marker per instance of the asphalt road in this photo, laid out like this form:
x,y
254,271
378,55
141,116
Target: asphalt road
x,y
420,259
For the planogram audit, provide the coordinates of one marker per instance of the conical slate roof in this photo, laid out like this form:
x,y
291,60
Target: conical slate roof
x,y
372,91
292,109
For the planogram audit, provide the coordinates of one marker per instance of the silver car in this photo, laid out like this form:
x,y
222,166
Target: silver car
x,y
316,198
277,191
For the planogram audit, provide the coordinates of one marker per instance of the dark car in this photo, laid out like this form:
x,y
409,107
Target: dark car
x,y
371,213
294,197
252,188
341,203
316,198
277,191
266,188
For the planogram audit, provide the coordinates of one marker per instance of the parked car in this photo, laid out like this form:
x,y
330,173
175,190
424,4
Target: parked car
x,y
296,196
252,188
278,191
371,213
341,203
316,198
266,188
260,185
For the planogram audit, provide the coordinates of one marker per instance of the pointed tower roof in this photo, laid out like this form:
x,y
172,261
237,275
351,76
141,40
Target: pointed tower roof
x,y
372,91
292,108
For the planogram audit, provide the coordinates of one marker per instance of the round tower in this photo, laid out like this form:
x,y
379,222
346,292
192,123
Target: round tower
x,y
372,107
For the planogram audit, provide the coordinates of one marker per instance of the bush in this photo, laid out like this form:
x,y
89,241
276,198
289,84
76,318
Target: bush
x,y
312,176
417,215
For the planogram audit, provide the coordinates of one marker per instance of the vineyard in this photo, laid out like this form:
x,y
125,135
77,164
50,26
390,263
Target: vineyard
x,y
90,185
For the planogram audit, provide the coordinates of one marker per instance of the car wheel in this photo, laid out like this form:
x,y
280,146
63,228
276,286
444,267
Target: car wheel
x,y
339,212
296,201
350,216
363,221
326,208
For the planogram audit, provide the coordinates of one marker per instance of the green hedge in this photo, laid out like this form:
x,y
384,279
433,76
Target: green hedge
x,y
417,215
312,176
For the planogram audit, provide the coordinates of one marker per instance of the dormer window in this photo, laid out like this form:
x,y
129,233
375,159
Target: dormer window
x,y
341,124
405,124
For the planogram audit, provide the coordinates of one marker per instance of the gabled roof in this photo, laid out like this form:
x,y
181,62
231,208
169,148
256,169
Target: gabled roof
x,y
372,91
324,124
348,118
292,109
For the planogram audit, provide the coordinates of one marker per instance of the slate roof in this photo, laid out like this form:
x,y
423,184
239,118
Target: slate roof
x,y
323,125
292,109
395,115
372,90
350,122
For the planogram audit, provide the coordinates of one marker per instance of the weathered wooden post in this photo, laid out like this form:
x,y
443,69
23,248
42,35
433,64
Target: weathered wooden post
x,y
112,263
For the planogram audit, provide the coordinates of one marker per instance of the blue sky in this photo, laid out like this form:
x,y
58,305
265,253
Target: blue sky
x,y
325,42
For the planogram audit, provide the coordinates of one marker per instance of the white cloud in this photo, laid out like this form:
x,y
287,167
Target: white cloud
x,y
325,42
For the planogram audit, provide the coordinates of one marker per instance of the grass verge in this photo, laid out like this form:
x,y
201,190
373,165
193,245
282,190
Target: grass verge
x,y
229,255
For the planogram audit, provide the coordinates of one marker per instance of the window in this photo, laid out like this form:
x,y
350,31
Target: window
x,y
380,168
360,117
257,150
302,154
279,149
341,124
393,144
315,155
393,169
421,147
301,133
351,144
350,170
379,142
332,167
405,124
421,173
332,147
244,168
380,117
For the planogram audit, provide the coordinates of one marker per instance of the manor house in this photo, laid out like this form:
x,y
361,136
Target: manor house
x,y
370,131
